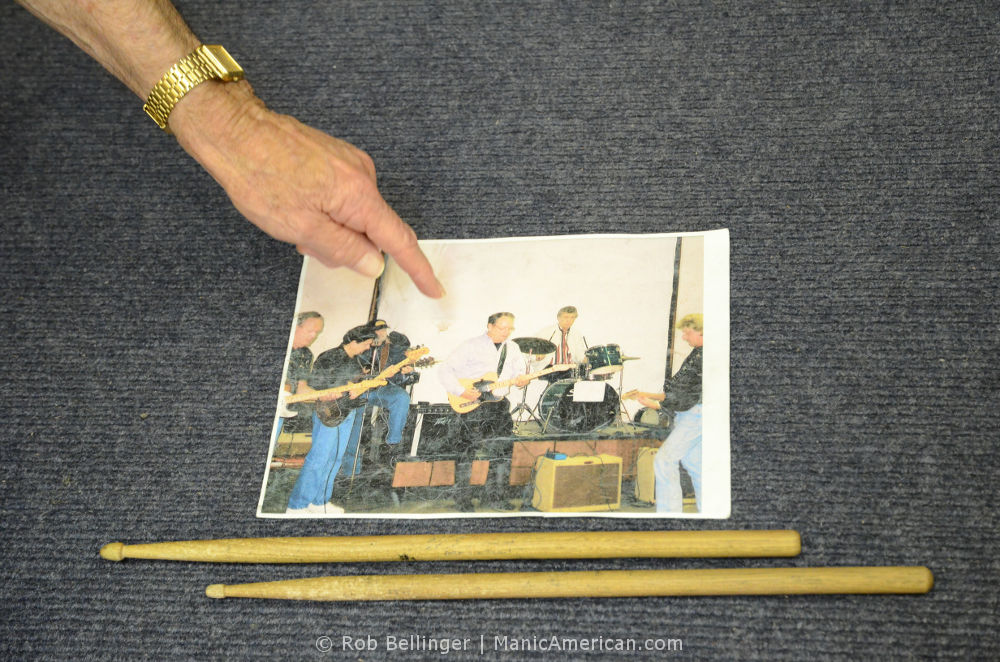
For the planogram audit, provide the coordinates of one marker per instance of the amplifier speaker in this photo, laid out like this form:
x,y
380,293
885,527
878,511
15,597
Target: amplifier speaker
x,y
583,483
645,483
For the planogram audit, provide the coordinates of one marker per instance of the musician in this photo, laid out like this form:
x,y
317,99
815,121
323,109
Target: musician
x,y
335,367
388,348
682,394
571,346
491,352
308,326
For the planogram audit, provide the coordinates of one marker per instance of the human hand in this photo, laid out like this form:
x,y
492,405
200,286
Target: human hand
x,y
471,394
297,184
521,381
647,402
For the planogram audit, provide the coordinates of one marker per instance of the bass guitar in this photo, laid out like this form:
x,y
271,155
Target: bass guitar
x,y
331,407
488,383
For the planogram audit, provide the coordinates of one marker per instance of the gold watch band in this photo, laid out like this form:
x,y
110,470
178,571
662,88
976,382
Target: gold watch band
x,y
205,63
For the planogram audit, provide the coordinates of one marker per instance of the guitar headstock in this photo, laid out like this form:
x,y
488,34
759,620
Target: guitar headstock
x,y
417,352
426,362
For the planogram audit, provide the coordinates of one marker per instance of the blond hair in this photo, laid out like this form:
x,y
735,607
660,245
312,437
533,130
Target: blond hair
x,y
694,321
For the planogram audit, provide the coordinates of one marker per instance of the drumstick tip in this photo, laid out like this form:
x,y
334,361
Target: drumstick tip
x,y
928,579
795,543
113,551
215,590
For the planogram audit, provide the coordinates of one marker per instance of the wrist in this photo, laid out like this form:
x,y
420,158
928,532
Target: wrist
x,y
212,116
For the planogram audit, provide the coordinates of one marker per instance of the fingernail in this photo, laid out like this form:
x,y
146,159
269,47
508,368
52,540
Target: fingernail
x,y
371,265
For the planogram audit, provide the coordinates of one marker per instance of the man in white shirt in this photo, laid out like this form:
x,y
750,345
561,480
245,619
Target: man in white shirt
x,y
571,345
488,353
491,352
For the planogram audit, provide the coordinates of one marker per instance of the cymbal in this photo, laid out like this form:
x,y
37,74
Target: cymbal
x,y
537,346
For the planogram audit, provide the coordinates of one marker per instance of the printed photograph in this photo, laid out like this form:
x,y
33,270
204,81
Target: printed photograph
x,y
559,376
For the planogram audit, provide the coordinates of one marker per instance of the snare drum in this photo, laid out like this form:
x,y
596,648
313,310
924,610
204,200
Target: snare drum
x,y
604,360
559,411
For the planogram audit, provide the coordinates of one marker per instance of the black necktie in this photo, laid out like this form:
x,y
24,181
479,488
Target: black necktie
x,y
503,357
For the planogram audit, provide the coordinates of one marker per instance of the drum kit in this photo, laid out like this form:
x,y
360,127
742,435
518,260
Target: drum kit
x,y
578,400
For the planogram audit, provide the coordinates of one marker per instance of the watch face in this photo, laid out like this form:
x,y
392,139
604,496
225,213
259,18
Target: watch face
x,y
222,62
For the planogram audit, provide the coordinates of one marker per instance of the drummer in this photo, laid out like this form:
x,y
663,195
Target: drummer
x,y
571,345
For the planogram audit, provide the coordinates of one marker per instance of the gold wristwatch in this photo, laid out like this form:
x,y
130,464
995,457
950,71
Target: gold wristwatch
x,y
205,63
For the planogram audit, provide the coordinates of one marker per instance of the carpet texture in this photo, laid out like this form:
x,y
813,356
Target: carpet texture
x,y
850,148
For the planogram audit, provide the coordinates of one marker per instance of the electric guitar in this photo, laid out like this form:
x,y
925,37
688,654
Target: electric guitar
x,y
488,383
332,411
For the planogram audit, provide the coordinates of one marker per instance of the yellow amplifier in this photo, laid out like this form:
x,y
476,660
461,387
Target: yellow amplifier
x,y
574,484
645,483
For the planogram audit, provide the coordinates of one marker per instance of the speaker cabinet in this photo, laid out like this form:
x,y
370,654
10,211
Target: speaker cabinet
x,y
578,484
645,484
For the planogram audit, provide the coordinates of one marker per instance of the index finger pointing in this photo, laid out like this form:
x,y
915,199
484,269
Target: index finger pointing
x,y
392,235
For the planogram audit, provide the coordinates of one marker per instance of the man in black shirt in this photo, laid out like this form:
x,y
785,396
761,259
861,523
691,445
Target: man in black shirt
x,y
681,394
388,348
308,326
335,367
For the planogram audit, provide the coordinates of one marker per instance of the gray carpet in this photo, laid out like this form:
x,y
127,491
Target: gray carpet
x,y
851,149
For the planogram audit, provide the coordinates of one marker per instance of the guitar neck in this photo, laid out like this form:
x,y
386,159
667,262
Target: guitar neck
x,y
316,395
532,376
410,359
642,394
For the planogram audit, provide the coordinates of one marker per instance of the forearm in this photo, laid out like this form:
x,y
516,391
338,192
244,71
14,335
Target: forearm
x,y
136,40
448,376
297,184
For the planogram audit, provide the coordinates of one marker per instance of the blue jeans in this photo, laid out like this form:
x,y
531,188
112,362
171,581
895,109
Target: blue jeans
x,y
393,399
682,446
315,482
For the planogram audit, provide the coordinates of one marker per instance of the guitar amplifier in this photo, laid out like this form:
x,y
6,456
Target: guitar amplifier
x,y
645,482
578,484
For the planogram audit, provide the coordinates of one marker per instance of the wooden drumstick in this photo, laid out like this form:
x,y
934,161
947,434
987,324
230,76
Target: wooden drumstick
x,y
592,584
467,547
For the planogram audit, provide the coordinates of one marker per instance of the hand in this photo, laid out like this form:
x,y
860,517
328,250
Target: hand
x,y
647,402
297,184
407,369
471,394
521,381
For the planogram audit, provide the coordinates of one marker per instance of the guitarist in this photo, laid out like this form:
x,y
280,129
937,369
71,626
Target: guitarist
x,y
491,352
682,393
334,367
387,348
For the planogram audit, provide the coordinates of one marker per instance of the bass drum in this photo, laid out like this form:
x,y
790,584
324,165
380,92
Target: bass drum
x,y
560,413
